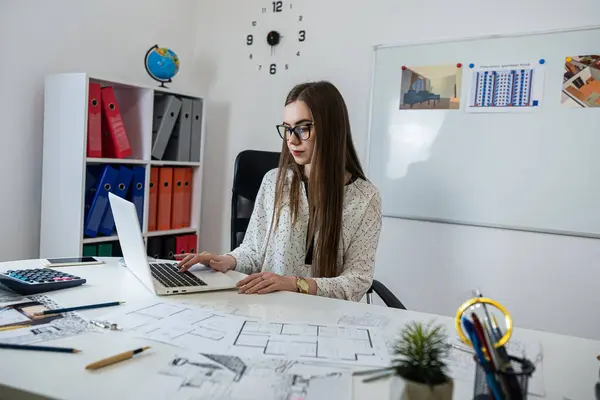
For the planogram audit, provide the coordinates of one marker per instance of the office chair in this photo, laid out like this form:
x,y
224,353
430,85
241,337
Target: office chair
x,y
249,169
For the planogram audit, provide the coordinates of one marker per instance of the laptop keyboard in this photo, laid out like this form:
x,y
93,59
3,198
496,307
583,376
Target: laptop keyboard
x,y
167,275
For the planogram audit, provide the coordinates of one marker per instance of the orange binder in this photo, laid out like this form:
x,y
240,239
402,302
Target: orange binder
x,y
177,210
94,130
165,197
115,137
186,203
153,199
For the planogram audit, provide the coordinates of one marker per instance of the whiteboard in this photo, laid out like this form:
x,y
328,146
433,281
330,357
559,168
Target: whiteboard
x,y
531,168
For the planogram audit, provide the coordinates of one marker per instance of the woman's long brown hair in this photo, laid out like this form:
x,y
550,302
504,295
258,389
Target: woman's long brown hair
x,y
334,155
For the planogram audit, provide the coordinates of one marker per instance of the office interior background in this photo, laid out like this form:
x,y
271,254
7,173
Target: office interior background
x,y
549,282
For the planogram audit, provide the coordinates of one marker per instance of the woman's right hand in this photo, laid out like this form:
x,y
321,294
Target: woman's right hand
x,y
217,262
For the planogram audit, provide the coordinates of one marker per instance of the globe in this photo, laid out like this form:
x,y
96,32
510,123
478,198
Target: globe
x,y
162,64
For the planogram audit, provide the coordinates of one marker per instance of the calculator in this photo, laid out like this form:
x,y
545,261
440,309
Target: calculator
x,y
32,281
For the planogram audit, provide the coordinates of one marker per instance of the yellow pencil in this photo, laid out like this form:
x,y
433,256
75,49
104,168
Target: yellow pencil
x,y
116,358
11,327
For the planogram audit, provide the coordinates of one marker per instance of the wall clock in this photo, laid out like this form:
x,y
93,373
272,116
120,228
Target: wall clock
x,y
275,38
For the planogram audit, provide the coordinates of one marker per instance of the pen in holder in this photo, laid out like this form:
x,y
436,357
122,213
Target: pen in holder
x,y
519,373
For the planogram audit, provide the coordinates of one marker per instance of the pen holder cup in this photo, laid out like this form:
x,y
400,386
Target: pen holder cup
x,y
522,369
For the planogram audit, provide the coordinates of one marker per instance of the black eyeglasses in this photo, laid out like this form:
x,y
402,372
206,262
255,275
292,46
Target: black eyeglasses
x,y
302,132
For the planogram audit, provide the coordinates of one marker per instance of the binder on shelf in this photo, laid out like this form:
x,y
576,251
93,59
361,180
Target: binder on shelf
x,y
168,118
181,244
115,143
100,202
177,204
165,197
105,249
90,250
157,114
153,199
196,130
186,205
155,247
192,240
137,192
107,226
178,148
93,174
94,125
168,247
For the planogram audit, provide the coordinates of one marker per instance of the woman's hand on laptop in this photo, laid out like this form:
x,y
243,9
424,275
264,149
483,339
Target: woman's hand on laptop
x,y
215,261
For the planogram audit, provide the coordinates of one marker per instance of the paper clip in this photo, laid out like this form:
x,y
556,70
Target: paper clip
x,y
106,325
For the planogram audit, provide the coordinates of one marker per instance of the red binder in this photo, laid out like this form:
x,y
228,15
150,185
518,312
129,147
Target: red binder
x,y
115,137
177,206
94,131
165,198
181,244
186,202
153,199
192,240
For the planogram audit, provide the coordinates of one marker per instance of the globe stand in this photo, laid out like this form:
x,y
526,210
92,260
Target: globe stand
x,y
162,81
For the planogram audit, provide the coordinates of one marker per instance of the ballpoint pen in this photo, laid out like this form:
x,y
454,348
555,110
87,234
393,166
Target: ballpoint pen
x,y
477,346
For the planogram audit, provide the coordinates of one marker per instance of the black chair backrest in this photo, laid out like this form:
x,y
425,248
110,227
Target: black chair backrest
x,y
249,169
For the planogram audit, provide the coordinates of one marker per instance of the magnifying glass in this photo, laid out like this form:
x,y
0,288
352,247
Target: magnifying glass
x,y
491,310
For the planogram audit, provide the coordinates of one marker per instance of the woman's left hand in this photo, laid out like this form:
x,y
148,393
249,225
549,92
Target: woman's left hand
x,y
267,282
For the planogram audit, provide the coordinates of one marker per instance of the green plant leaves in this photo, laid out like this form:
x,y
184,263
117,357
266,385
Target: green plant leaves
x,y
421,352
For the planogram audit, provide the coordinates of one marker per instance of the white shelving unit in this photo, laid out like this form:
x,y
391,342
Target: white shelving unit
x,y
65,159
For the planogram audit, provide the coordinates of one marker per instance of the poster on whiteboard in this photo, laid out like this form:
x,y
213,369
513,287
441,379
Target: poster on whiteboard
x,y
511,87
581,82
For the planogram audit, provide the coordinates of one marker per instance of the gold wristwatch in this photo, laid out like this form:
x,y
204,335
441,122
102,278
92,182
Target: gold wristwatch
x,y
302,285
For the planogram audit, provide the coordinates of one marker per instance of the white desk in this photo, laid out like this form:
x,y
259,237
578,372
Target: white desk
x,y
570,365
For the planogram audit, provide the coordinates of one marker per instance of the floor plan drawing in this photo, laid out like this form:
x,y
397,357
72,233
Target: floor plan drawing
x,y
307,341
181,325
207,331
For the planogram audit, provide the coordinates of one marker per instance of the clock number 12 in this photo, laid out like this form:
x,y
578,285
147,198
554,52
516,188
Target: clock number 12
x,y
277,6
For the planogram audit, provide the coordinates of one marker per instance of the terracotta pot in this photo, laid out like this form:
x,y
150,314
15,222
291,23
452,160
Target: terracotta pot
x,y
409,390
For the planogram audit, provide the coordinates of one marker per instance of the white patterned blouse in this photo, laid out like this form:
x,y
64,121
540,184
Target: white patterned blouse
x,y
285,254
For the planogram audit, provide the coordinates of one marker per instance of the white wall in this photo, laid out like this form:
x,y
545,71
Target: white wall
x,y
548,282
108,38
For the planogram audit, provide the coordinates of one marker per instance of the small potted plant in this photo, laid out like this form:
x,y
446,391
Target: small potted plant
x,y
420,354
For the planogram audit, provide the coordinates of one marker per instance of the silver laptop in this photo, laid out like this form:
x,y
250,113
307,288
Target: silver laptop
x,y
160,278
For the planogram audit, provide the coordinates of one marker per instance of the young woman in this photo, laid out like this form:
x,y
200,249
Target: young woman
x,y
316,220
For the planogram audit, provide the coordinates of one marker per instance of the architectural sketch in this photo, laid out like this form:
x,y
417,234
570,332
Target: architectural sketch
x,y
505,88
204,330
38,328
581,82
210,376
432,87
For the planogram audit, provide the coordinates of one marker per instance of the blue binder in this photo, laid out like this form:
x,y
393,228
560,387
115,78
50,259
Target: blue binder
x,y
107,226
137,192
100,201
93,174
